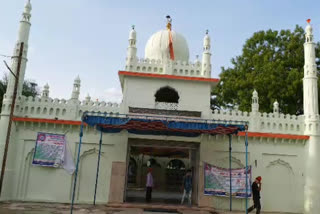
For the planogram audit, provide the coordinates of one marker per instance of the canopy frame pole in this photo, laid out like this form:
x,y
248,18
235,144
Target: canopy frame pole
x,y
98,167
246,143
230,169
77,167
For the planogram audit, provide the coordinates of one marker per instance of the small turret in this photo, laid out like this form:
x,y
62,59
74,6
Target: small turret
x,y
132,49
276,107
88,98
76,89
197,61
206,56
255,102
45,92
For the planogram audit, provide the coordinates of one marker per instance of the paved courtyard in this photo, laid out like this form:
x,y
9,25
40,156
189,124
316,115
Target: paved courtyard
x,y
42,208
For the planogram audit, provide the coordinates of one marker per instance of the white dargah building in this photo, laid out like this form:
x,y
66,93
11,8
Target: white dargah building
x,y
162,86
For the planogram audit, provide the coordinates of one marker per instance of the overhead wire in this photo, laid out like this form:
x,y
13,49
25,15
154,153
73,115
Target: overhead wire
x,y
6,56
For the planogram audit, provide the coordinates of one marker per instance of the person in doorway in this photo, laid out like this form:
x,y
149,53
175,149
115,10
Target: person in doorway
x,y
256,188
149,185
187,187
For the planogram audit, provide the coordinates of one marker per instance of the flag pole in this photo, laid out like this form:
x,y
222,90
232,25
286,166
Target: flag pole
x,y
77,167
98,166
230,170
246,142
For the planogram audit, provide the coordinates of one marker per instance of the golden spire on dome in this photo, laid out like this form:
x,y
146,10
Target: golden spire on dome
x,y
169,20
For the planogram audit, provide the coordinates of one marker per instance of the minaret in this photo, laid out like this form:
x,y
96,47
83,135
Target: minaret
x,y
132,50
310,85
23,36
45,92
76,89
206,56
311,115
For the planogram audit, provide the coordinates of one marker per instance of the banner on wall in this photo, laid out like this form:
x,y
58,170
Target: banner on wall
x,y
217,181
51,150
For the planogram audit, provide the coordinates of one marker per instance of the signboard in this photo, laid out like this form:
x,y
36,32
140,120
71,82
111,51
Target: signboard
x,y
49,150
217,181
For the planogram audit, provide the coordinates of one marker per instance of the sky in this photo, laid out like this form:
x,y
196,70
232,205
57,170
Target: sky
x,y
89,38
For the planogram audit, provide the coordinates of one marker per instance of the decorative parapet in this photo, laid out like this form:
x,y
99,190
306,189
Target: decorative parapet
x,y
265,122
102,107
166,106
282,123
157,66
42,107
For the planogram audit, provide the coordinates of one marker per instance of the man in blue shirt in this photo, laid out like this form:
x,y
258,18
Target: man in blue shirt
x,y
187,187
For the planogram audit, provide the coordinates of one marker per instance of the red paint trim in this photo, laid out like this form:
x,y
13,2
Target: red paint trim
x,y
53,121
166,76
272,135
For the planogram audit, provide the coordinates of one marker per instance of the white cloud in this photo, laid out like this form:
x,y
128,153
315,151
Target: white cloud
x,y
107,95
113,95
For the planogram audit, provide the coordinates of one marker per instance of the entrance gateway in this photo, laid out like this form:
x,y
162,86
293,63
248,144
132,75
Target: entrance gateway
x,y
169,161
151,125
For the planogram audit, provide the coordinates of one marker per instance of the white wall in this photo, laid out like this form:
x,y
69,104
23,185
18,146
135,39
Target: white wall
x,y
34,183
139,92
279,162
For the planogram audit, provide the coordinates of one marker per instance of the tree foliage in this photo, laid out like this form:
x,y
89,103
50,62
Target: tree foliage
x,y
272,63
29,89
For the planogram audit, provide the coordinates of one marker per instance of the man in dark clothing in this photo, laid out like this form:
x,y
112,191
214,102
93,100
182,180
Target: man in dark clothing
x,y
256,188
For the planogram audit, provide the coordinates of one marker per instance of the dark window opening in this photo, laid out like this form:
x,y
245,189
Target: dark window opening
x,y
167,94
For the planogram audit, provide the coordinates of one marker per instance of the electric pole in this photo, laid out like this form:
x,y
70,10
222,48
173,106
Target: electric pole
x,y
11,114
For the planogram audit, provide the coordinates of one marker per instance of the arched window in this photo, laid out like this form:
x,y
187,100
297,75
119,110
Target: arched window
x,y
153,163
167,95
176,164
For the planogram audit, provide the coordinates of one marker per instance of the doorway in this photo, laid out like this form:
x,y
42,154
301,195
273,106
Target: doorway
x,y
169,161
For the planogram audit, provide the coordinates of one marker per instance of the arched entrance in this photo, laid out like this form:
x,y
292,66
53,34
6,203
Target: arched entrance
x,y
169,163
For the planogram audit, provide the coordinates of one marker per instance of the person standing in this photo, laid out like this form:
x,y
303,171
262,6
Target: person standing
x,y
256,188
149,185
187,187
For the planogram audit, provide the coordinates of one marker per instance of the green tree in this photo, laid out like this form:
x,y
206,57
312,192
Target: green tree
x,y
272,63
29,89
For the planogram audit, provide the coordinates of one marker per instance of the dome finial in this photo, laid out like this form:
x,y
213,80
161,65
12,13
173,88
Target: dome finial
x,y
207,31
169,22
133,26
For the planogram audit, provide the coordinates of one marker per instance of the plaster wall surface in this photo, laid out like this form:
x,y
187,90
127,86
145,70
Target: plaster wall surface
x,y
26,182
279,162
139,92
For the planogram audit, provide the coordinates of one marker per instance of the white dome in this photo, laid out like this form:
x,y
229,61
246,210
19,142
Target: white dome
x,y
158,46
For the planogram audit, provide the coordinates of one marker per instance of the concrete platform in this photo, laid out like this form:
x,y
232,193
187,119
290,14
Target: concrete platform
x,y
52,208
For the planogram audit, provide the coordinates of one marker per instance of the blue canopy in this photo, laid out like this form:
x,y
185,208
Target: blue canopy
x,y
158,125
